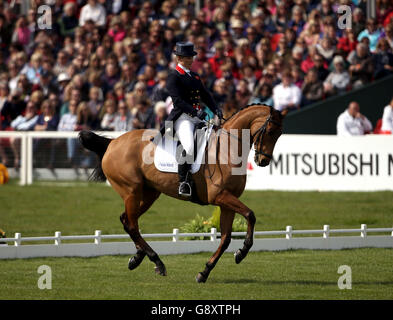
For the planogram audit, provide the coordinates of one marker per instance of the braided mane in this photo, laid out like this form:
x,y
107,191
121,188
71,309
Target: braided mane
x,y
247,106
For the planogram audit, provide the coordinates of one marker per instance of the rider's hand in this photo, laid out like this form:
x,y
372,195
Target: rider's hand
x,y
201,114
219,114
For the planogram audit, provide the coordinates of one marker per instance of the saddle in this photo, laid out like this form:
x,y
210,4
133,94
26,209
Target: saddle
x,y
168,148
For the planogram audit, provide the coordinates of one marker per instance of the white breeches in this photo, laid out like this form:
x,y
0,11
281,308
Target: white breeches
x,y
184,127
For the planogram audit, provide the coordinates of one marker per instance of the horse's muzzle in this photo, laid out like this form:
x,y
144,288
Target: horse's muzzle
x,y
261,162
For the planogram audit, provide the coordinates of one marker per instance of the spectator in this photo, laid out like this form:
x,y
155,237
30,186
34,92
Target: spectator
x,y
35,69
347,42
286,95
160,114
117,32
107,122
383,59
160,93
110,77
12,108
92,11
68,122
297,22
312,88
220,94
338,80
372,33
68,21
123,119
326,49
361,65
358,21
24,122
263,95
143,115
243,94
387,118
352,123
22,33
85,119
389,34
48,120
95,101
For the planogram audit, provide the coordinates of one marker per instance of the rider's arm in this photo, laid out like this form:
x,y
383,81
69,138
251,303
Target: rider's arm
x,y
207,98
174,87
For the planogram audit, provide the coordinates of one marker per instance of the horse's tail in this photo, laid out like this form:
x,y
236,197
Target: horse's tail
x,y
98,145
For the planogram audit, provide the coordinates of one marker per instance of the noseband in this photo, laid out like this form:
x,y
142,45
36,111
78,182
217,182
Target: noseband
x,y
259,135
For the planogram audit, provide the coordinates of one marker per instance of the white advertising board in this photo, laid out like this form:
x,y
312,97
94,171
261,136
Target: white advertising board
x,y
326,163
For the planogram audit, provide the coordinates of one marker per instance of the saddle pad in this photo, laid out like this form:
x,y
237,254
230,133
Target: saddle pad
x,y
165,154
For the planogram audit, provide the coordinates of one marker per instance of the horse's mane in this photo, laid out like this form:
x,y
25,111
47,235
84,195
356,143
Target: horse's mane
x,y
243,108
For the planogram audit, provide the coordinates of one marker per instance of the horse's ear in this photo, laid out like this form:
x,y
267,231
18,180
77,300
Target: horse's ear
x,y
284,113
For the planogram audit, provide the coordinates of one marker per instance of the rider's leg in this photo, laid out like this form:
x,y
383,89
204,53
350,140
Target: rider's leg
x,y
184,127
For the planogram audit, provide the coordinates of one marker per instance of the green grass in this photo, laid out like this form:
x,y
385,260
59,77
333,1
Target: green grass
x,y
39,210
264,275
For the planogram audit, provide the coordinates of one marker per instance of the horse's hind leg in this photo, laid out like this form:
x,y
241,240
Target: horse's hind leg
x,y
226,220
227,200
136,260
135,207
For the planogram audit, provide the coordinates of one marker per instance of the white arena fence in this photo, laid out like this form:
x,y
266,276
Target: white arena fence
x,y
12,248
39,150
326,162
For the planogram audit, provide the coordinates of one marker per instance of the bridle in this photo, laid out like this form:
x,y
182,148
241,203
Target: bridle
x,y
259,140
259,135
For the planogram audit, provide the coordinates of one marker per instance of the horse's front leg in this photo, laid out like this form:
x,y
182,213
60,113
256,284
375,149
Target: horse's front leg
x,y
226,220
227,200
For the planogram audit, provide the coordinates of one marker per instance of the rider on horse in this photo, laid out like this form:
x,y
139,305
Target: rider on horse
x,y
187,90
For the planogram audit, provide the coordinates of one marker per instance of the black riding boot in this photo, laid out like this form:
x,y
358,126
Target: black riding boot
x,y
184,179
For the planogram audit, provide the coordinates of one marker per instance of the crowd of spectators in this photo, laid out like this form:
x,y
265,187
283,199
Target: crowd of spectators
x,y
103,64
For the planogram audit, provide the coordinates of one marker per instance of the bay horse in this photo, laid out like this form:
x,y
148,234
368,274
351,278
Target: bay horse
x,y
139,183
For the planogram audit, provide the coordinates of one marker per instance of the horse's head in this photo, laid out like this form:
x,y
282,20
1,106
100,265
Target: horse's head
x,y
265,131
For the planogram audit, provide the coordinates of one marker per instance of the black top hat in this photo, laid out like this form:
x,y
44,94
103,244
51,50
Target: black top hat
x,y
184,49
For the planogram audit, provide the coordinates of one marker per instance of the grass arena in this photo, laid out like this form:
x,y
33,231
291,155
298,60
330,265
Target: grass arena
x,y
272,119
81,208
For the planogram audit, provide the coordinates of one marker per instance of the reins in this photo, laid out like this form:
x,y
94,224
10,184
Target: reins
x,y
258,141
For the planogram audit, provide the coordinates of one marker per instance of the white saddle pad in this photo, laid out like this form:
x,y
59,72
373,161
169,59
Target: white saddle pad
x,y
165,154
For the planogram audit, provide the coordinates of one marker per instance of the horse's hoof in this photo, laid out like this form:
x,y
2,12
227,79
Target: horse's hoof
x,y
133,263
238,256
160,270
200,278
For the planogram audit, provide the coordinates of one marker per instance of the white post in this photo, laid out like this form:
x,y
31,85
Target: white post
x,y
213,233
58,238
18,237
23,160
175,237
97,239
326,230
29,163
363,232
288,232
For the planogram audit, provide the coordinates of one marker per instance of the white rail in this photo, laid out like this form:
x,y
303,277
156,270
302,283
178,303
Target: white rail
x,y
26,147
99,247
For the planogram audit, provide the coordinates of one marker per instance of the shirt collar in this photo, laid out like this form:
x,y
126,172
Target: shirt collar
x,y
184,68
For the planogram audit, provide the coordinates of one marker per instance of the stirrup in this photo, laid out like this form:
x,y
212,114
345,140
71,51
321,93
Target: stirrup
x,y
184,193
